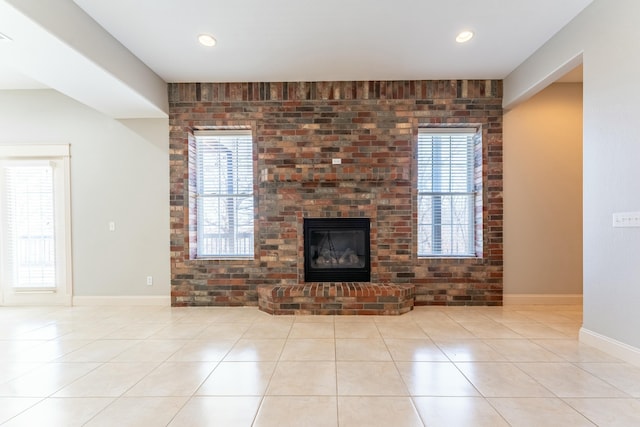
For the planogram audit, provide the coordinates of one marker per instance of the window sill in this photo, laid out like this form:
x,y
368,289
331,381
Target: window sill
x,y
214,258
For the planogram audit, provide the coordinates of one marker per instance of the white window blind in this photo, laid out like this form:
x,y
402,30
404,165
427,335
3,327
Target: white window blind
x,y
446,192
225,213
30,225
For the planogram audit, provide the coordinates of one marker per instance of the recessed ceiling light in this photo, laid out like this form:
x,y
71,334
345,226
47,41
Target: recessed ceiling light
x,y
207,40
464,36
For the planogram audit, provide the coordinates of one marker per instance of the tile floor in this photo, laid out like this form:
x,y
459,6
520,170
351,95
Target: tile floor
x,y
435,366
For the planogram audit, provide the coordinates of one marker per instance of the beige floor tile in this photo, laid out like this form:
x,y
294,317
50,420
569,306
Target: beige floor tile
x,y
313,319
46,332
297,411
445,330
467,314
45,380
12,406
238,379
371,349
237,314
489,329
68,364
255,350
435,379
404,330
536,412
567,380
150,350
88,330
296,379
369,379
175,331
356,330
547,314
572,350
51,350
458,412
173,379
469,351
506,316
534,330
217,411
620,375
309,349
60,412
138,412
312,330
415,350
609,412
202,351
354,319
18,351
271,328
108,380
98,351
222,331
428,314
12,370
570,330
519,350
377,411
136,331
496,379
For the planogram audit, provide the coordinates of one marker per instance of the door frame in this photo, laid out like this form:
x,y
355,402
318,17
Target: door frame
x,y
60,153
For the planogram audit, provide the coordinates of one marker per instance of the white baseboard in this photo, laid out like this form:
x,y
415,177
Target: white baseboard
x,y
542,299
610,346
157,301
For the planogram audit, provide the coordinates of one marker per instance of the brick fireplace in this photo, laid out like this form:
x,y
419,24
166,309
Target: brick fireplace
x,y
335,150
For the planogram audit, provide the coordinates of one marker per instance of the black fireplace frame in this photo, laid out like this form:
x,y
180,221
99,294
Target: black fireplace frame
x,y
341,274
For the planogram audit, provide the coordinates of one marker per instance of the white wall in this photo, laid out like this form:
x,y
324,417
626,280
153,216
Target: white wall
x,y
606,33
120,173
543,196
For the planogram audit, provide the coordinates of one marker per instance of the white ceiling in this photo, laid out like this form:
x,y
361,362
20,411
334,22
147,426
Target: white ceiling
x,y
283,40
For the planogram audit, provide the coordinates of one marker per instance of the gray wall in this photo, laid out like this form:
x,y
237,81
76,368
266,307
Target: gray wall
x,y
605,35
120,173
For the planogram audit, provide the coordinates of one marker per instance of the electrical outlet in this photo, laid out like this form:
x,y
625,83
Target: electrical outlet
x,y
112,226
626,219
149,280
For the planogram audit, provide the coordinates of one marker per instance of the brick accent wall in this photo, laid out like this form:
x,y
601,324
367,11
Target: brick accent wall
x,y
298,129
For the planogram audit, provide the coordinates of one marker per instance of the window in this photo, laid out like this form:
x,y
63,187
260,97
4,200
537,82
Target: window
x,y
29,225
224,194
446,192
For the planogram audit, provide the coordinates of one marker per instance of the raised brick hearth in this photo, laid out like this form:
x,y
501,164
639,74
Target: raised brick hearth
x,y
336,298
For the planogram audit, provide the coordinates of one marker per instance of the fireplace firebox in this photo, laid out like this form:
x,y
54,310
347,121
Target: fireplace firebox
x,y
337,250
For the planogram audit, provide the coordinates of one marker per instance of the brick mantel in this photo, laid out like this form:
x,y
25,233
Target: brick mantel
x,y
299,129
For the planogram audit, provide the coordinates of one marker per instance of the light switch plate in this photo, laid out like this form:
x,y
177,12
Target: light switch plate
x,y
626,219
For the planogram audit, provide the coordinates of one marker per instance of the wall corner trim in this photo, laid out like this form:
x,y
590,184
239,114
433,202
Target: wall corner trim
x,y
122,301
610,346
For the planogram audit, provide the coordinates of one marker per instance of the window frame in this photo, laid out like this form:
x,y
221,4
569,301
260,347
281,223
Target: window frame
x,y
231,197
472,192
